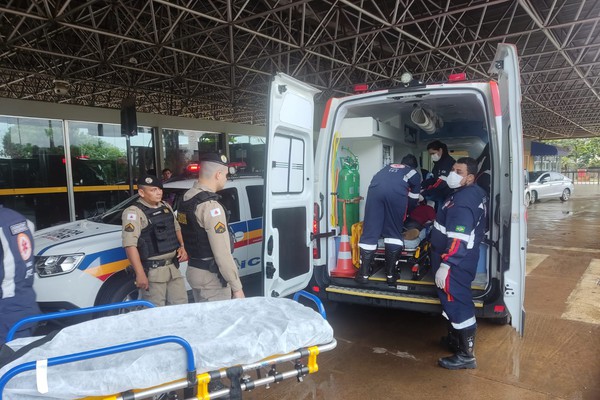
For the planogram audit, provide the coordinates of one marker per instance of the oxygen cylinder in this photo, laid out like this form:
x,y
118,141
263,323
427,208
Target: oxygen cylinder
x,y
348,189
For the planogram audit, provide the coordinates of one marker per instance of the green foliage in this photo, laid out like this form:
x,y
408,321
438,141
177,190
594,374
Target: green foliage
x,y
584,153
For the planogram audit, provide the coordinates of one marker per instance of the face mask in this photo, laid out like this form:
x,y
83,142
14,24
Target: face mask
x,y
435,157
453,180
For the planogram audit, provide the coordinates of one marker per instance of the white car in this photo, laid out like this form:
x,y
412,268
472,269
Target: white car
x,y
82,263
549,185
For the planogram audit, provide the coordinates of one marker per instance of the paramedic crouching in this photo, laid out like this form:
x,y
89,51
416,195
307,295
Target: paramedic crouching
x,y
17,298
212,272
154,245
458,231
392,191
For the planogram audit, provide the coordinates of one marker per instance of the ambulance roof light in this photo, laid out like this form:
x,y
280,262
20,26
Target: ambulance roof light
x,y
457,77
361,88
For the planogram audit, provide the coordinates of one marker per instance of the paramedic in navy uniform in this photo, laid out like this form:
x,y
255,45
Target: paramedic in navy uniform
x,y
212,272
393,192
17,298
436,188
154,245
458,231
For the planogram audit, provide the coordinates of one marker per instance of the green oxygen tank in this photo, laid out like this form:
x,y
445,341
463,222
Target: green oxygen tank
x,y
348,191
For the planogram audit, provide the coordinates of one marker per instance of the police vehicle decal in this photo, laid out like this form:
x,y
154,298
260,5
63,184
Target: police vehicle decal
x,y
252,231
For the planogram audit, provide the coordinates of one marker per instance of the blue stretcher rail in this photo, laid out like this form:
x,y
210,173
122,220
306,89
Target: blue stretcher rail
x,y
191,365
315,299
72,313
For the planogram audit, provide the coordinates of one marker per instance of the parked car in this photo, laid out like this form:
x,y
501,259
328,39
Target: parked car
x,y
549,185
527,190
83,264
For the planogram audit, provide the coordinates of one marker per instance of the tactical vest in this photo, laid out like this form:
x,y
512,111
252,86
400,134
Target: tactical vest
x,y
159,236
195,236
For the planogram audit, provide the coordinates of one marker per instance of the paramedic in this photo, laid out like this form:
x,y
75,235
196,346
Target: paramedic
x,y
17,298
435,188
392,191
457,233
154,245
212,272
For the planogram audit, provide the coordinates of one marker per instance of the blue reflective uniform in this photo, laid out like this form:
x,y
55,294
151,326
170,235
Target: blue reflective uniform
x,y
392,190
458,230
436,188
17,298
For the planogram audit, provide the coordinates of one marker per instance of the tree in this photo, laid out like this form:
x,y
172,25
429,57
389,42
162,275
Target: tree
x,y
584,153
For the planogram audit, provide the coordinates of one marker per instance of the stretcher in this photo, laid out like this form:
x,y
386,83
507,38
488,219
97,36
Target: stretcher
x,y
153,351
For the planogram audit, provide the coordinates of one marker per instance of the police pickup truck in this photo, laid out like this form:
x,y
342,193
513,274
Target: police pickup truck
x,y
82,263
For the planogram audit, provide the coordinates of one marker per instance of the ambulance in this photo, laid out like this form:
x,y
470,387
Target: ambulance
x,y
302,224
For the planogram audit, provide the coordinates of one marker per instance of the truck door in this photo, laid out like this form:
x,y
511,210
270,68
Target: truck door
x,y
287,244
513,235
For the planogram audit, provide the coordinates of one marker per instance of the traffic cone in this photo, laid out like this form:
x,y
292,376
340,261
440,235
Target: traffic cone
x,y
344,267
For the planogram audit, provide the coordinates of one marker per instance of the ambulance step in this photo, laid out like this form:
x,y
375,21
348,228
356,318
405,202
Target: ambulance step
x,y
377,294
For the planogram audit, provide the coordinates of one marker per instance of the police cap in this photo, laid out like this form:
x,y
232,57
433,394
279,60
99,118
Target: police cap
x,y
213,157
149,180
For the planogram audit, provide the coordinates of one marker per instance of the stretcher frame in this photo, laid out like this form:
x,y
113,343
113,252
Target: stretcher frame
x,y
194,385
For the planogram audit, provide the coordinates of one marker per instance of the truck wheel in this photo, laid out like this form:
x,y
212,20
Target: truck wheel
x,y
117,290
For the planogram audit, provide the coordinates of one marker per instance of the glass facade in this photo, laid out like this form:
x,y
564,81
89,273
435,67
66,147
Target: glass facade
x,y
33,167
46,162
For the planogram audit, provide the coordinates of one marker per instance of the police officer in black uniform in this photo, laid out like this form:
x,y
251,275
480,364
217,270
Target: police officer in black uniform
x,y
212,272
393,191
458,231
154,245
435,188
17,298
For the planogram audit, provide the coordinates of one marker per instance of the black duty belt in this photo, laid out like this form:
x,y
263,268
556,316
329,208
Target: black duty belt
x,y
156,263
208,264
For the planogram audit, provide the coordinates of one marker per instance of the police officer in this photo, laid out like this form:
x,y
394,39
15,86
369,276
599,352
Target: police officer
x,y
212,272
17,298
455,239
392,191
435,188
154,245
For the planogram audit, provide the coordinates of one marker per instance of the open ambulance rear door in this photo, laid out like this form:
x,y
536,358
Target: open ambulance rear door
x,y
511,214
289,181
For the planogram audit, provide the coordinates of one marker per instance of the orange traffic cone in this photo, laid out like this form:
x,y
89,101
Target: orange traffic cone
x,y
344,267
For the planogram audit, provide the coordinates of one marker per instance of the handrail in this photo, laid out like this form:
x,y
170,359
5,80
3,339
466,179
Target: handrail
x,y
71,313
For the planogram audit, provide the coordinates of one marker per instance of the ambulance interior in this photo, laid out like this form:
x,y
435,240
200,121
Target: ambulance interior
x,y
375,133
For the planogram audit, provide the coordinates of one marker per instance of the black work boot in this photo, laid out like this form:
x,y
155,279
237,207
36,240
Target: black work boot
x,y
366,257
464,358
392,251
450,341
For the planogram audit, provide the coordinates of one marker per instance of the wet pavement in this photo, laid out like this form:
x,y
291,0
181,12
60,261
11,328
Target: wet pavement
x,y
387,354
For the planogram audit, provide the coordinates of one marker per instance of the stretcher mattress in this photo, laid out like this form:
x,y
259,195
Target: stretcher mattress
x,y
222,334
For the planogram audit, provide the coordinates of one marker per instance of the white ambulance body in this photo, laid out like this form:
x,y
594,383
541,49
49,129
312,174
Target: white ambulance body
x,y
301,231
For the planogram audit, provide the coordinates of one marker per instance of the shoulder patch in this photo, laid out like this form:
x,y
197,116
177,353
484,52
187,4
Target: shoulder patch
x,y
460,228
18,228
131,216
220,228
182,218
25,247
129,227
215,212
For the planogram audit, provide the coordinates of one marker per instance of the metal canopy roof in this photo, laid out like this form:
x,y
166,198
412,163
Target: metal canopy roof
x,y
213,59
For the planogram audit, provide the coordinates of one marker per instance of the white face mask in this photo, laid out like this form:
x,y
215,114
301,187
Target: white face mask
x,y
453,180
435,157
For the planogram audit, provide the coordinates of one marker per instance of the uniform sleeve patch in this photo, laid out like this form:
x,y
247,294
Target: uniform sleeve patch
x,y
129,227
131,216
182,218
215,212
460,228
18,228
220,227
